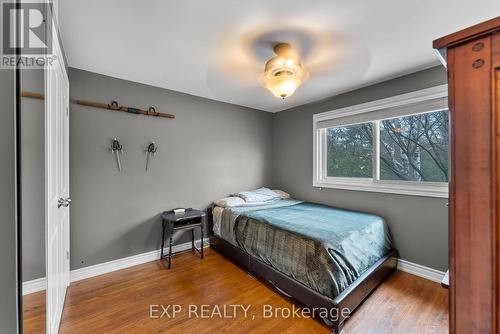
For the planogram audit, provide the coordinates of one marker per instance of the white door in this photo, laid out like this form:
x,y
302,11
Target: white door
x,y
56,186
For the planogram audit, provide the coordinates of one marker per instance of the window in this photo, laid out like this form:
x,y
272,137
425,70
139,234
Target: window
x,y
396,145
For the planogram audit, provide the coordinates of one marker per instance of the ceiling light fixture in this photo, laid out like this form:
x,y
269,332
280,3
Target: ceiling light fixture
x,y
283,73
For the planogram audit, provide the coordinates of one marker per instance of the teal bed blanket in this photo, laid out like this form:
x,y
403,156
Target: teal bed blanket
x,y
322,247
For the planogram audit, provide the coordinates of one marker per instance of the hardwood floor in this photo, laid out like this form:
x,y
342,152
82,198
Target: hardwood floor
x,y
119,302
34,313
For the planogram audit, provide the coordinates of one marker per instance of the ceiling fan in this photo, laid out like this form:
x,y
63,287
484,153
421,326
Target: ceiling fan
x,y
299,59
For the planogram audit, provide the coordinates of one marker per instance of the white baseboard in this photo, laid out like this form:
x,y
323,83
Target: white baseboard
x,y
419,270
34,285
107,267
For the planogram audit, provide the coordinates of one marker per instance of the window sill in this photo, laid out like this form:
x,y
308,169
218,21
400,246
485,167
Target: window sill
x,y
429,189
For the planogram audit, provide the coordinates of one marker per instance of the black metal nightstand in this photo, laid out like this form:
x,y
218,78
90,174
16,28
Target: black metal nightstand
x,y
172,222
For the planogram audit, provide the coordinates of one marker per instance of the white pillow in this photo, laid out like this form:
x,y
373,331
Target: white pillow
x,y
258,195
228,202
282,193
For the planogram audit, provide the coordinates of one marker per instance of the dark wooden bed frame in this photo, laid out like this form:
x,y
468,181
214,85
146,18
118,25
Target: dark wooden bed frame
x,y
349,299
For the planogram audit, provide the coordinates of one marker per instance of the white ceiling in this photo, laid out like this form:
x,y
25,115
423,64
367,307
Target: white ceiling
x,y
217,49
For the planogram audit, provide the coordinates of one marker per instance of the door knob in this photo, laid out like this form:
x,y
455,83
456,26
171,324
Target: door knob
x,y
64,202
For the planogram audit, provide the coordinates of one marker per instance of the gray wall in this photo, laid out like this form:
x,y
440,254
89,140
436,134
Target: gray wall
x,y
33,176
8,262
419,224
209,150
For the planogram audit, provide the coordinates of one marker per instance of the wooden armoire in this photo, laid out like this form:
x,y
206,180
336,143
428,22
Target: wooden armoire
x,y
473,61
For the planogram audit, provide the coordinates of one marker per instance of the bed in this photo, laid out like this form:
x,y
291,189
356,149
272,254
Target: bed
x,y
326,258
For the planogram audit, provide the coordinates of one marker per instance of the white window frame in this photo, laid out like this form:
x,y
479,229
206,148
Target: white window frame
x,y
321,180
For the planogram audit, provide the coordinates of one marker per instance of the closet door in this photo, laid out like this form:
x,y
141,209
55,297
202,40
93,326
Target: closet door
x,y
57,186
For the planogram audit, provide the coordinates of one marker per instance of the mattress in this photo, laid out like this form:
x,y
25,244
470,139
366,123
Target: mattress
x,y
217,218
322,247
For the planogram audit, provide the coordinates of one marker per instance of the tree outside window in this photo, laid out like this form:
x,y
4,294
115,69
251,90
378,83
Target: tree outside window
x,y
411,148
350,151
415,148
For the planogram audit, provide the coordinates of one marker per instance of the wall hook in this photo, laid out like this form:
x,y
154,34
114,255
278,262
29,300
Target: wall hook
x,y
117,149
150,151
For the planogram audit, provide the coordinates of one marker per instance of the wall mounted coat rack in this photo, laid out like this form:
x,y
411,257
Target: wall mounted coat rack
x,y
110,106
